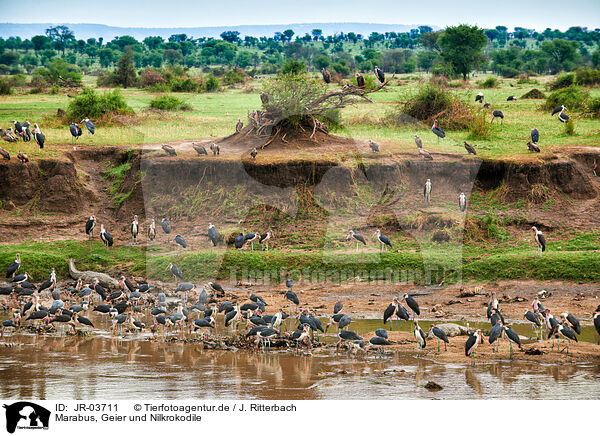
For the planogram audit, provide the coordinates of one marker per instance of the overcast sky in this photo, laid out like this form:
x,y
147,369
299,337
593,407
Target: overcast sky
x,y
537,14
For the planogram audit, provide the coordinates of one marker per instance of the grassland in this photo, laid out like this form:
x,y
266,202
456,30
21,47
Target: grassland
x,y
213,115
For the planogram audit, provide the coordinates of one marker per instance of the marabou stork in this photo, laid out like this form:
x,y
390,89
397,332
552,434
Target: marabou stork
x,y
471,344
412,303
438,131
357,237
264,239
250,238
511,98
389,311
215,148
39,137
536,322
89,226
563,117
571,321
166,226
596,318
180,241
441,336
337,307
18,127
479,97
217,289
152,231
384,240
239,241
135,229
512,337
106,238
495,335
497,114
89,125
559,109
419,336
175,271
75,131
13,267
50,283
292,298
565,332
539,239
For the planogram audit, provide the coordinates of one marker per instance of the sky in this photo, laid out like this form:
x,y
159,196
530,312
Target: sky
x,y
535,14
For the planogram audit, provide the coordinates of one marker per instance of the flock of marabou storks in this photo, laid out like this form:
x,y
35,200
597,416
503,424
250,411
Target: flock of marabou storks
x,y
136,306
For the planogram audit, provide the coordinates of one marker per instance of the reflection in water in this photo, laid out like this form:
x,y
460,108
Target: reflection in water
x,y
101,367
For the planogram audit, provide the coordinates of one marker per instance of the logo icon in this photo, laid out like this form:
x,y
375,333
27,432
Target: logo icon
x,y
26,415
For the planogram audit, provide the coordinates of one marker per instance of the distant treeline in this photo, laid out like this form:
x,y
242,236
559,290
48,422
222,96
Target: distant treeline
x,y
522,51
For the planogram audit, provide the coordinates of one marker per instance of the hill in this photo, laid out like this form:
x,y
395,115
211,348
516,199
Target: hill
x,y
85,31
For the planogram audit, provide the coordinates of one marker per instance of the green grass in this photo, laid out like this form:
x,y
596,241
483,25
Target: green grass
x,y
574,258
214,115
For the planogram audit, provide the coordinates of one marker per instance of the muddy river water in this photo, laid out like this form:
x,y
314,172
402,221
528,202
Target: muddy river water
x,y
100,366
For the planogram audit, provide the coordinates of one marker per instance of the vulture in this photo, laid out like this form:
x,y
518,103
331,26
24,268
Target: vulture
x,y
326,75
199,149
169,150
470,149
360,80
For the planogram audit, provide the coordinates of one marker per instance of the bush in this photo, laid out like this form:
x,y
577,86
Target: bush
x,y
234,76
150,78
480,127
593,107
570,127
5,86
534,94
184,85
490,82
370,82
60,73
572,97
168,103
293,67
431,102
563,81
93,105
509,72
211,84
588,76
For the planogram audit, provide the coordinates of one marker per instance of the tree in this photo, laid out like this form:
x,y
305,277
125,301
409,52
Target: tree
x,y
562,53
287,35
292,67
172,57
125,73
231,36
429,40
153,42
60,35
462,47
317,34
40,42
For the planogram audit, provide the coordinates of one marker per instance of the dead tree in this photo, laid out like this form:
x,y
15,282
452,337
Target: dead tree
x,y
272,124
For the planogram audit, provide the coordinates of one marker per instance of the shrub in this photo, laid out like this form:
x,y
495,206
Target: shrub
x,y
563,81
370,82
234,76
168,103
184,85
432,102
93,105
509,72
490,82
588,76
5,87
60,73
293,67
150,78
570,127
212,84
593,107
38,81
480,127
534,94
572,97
